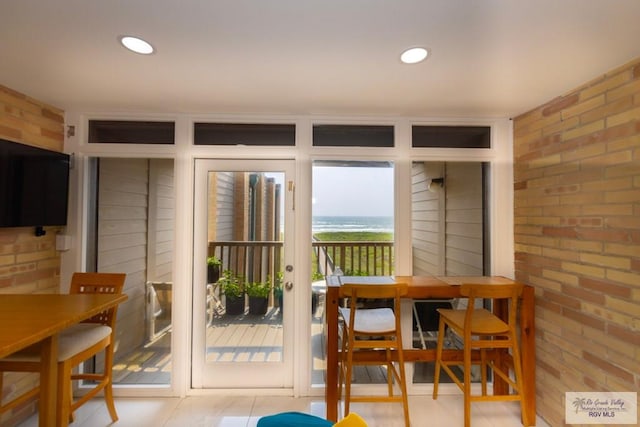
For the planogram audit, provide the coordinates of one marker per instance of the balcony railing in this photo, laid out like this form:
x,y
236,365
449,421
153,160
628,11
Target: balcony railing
x,y
357,258
257,261
252,261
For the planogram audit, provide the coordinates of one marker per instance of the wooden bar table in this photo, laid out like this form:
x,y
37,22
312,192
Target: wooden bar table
x,y
38,318
427,287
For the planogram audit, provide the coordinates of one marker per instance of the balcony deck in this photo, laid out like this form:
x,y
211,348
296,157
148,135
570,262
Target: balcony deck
x,y
244,338
247,338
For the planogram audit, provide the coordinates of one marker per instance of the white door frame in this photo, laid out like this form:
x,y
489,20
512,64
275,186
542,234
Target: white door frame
x,y
242,375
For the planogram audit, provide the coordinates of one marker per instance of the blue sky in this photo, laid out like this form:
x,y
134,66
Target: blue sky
x,y
352,191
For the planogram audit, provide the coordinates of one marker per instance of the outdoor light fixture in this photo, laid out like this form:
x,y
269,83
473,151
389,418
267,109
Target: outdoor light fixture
x,y
136,45
414,55
435,184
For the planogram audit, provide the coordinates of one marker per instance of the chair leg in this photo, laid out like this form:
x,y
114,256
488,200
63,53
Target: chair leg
x,y
483,371
347,381
467,384
403,389
390,369
71,413
108,389
341,364
1,390
2,408
340,378
436,373
108,397
108,394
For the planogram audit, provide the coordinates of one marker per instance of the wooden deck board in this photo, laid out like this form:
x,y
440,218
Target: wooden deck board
x,y
244,338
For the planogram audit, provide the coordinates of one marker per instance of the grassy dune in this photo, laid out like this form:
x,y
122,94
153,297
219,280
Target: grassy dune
x,y
359,236
372,262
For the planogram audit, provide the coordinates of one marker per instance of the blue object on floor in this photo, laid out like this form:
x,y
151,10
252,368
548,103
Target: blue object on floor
x,y
293,419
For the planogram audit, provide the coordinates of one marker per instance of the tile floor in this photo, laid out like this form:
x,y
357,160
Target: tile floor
x,y
224,411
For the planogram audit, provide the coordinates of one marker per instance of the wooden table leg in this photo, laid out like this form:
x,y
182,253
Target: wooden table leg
x,y
528,354
528,344
331,386
48,381
500,386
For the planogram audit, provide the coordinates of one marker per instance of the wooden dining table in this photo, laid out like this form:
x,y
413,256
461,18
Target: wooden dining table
x,y
429,287
38,318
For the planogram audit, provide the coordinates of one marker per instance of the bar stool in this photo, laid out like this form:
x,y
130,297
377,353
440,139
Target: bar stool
x,y
481,329
373,330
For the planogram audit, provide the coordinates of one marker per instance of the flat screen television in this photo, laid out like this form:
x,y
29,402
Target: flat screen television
x,y
34,186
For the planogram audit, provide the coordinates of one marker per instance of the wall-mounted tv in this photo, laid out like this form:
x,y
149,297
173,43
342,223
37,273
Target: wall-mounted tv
x,y
34,186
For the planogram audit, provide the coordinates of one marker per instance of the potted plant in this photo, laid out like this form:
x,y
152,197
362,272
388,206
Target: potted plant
x,y
233,290
258,297
213,269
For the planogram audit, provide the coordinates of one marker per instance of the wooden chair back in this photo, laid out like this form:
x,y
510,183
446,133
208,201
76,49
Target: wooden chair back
x,y
375,291
99,283
510,292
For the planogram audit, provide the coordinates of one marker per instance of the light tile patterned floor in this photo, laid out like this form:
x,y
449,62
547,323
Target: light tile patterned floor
x,y
152,365
225,411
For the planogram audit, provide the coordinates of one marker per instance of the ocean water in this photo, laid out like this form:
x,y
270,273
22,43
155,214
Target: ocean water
x,y
352,223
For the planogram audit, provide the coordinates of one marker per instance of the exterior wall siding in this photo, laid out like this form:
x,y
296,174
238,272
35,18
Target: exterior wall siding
x,y
577,236
122,239
161,220
463,190
427,226
221,206
447,223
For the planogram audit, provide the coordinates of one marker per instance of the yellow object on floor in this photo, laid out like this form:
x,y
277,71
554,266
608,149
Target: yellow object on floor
x,y
351,420
300,419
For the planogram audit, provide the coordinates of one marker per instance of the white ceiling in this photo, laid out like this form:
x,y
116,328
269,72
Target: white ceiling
x,y
489,58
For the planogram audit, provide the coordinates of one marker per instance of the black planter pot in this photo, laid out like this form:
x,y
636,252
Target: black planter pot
x,y
213,273
315,298
258,305
234,306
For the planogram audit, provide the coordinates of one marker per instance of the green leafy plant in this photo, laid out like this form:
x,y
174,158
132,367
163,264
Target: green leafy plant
x,y
214,261
231,285
259,289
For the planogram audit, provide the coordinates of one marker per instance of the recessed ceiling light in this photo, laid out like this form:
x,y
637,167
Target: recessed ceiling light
x,y
136,45
414,55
